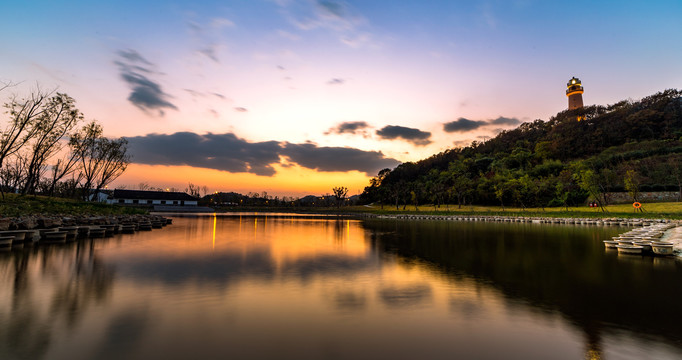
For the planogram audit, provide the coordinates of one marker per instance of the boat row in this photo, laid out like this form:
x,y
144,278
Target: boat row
x,y
18,239
644,240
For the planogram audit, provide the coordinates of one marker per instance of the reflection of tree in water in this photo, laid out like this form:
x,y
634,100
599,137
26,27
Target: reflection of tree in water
x,y
71,277
339,231
552,269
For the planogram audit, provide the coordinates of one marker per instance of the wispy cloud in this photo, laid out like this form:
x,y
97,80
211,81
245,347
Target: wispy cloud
x,y
332,15
336,81
415,136
137,72
207,36
227,152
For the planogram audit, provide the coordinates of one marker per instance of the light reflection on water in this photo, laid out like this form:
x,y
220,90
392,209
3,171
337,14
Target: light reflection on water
x,y
256,286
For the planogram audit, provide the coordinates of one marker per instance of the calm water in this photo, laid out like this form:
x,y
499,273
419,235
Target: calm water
x,y
256,287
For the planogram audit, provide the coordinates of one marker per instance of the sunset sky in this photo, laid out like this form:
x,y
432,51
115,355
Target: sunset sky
x,y
294,97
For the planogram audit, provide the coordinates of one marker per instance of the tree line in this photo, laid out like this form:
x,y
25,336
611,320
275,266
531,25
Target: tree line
x,y
46,149
630,146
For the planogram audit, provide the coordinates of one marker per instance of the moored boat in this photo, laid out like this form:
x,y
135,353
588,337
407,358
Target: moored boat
x,y
662,248
629,249
610,244
646,245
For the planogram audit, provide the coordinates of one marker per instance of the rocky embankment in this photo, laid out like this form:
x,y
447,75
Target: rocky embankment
x,y
55,221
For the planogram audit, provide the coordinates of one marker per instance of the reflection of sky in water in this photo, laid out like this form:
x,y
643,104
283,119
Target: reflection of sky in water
x,y
275,288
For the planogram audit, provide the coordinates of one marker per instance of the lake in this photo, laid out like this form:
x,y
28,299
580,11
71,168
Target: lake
x,y
268,286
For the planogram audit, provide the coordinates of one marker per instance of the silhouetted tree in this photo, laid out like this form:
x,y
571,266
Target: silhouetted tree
x,y
340,194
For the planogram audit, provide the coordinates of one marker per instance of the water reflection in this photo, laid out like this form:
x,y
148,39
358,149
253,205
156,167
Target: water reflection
x,y
51,287
552,268
271,286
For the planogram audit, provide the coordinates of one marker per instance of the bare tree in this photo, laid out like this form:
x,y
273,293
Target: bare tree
x,y
12,174
23,116
193,190
340,194
64,166
58,116
102,159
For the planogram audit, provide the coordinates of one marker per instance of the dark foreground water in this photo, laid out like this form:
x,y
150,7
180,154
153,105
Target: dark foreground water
x,y
283,287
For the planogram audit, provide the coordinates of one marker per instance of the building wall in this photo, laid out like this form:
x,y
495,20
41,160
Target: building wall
x,y
153,202
575,101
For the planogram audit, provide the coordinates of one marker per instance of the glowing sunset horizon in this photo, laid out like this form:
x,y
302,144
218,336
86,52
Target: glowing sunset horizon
x,y
294,97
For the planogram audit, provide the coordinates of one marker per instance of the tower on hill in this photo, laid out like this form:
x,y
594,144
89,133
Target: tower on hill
x,y
574,92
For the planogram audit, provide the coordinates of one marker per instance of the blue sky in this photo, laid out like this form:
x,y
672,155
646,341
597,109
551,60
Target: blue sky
x,y
380,79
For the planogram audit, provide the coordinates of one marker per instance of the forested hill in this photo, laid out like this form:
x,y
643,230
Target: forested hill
x,y
630,145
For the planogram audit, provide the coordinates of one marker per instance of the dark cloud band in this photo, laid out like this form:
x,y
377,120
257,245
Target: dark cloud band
x,y
465,125
227,152
415,136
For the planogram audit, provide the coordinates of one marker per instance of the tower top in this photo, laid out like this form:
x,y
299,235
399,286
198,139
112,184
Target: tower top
x,y
574,86
574,81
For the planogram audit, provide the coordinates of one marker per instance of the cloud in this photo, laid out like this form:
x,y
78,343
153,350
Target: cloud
x,y
349,127
415,136
336,16
505,121
219,23
287,35
227,152
337,158
336,81
465,125
210,52
224,152
146,94
133,57
241,109
207,36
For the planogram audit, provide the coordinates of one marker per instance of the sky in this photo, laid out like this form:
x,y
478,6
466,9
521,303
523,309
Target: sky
x,y
295,97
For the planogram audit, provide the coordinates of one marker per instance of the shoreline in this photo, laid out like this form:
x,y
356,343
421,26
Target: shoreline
x,y
614,221
35,222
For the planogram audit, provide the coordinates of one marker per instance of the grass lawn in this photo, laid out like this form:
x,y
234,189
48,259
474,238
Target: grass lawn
x,y
668,210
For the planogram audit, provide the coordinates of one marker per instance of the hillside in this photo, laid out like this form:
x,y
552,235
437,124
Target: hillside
x,y
628,146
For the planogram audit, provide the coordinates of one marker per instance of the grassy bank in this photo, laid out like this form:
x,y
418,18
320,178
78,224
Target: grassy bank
x,y
667,210
16,205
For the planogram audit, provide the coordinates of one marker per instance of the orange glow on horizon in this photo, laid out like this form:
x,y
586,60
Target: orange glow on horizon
x,y
288,181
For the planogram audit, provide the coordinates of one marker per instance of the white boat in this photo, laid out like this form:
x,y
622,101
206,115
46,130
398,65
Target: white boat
x,y
629,249
610,244
646,245
662,248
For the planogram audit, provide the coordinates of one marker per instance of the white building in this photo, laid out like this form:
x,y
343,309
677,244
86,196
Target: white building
x,y
141,197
